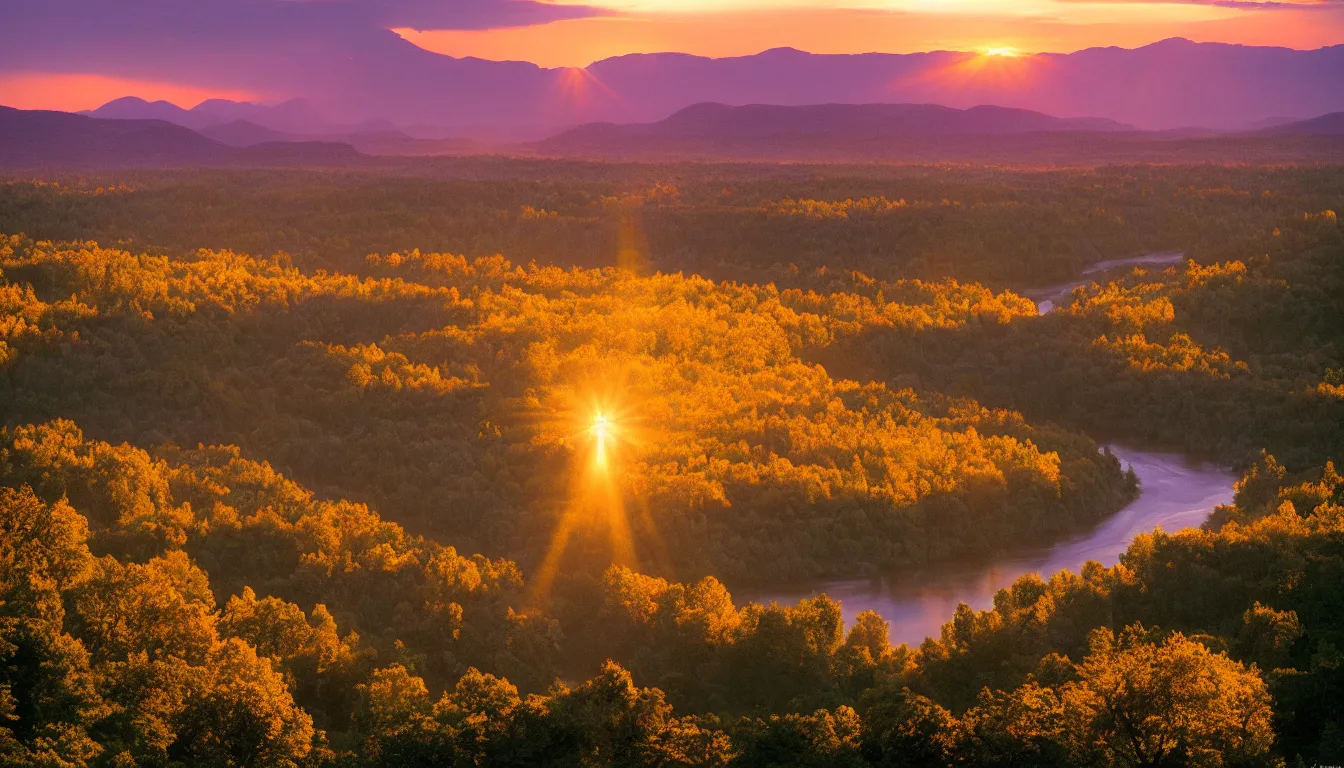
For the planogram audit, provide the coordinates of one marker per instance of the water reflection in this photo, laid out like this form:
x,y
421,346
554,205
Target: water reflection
x,y
1174,493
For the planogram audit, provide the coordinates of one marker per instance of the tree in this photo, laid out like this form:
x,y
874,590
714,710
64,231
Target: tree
x,y
867,655
398,722
820,739
901,729
164,607
1027,727
243,715
1160,703
48,699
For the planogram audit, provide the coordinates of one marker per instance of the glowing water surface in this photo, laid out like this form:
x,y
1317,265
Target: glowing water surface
x,y
1174,493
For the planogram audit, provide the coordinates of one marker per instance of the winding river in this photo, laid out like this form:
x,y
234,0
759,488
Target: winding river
x,y
1174,493
1046,297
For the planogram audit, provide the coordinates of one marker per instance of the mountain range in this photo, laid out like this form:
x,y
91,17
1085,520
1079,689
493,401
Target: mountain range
x,y
931,133
389,82
297,117
1325,125
1170,84
243,124
825,132
757,127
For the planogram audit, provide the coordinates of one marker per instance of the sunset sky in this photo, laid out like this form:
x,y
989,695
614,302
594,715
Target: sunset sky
x,y
77,54
739,27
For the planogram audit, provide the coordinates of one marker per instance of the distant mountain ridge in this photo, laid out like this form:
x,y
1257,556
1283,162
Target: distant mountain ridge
x,y
860,121
901,133
296,117
927,133
1325,125
244,124
39,138
1171,84
760,128
241,133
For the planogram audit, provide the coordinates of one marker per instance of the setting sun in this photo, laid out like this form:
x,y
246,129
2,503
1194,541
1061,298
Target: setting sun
x,y
601,430
1011,53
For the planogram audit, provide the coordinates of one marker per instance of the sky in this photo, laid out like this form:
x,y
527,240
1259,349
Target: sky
x,y
740,27
77,54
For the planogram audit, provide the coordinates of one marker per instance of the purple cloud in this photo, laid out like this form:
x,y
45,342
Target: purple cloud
x,y
278,47
207,18
141,36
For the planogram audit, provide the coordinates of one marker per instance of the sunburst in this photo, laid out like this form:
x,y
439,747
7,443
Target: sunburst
x,y
604,436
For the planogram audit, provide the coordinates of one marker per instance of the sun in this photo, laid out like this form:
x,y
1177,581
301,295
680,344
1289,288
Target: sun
x,y
1006,52
601,431
605,433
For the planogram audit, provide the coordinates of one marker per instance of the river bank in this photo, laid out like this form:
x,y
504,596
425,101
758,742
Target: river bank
x,y
1174,493
1048,296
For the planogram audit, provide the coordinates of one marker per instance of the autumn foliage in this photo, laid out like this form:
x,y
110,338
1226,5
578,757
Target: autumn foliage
x,y
239,494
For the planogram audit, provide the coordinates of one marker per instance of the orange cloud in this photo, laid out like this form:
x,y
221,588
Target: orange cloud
x,y
74,92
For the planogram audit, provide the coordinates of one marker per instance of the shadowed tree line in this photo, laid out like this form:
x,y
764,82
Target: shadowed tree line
x,y
321,634
741,221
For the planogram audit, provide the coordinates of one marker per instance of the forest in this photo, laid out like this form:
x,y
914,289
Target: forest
x,y
337,469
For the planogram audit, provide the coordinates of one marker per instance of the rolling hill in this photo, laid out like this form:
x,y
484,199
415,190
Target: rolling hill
x,y
45,139
1324,125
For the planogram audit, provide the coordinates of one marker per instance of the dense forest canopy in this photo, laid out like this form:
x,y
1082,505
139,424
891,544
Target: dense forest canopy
x,y
1002,228
1220,360
747,461
255,424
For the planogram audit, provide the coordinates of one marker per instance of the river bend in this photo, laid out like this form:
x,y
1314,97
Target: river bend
x,y
1174,493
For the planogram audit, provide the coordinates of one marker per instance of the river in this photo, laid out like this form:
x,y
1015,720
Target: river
x,y
1046,297
1174,493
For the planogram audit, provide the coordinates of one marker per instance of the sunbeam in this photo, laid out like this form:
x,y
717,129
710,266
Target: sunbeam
x,y
600,429
601,432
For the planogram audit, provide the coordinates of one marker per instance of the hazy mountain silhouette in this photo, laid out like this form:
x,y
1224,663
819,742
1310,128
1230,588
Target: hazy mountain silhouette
x,y
38,138
296,117
840,121
241,133
786,130
1171,84
1325,125
134,108
921,133
881,132
243,124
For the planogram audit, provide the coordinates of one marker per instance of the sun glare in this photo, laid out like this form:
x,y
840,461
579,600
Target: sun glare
x,y
601,430
605,433
1010,53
